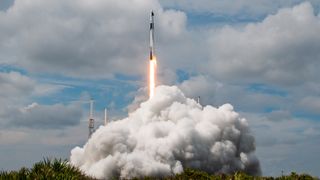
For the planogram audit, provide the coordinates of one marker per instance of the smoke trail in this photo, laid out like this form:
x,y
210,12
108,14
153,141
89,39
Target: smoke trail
x,y
165,134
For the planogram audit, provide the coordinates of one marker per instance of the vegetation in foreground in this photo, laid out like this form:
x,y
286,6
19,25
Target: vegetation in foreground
x,y
196,174
60,169
46,169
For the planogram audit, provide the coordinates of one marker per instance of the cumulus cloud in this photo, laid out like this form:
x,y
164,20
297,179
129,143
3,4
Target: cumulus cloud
x,y
310,104
202,86
282,140
14,84
18,89
15,87
246,8
242,96
282,49
166,134
81,38
12,137
45,116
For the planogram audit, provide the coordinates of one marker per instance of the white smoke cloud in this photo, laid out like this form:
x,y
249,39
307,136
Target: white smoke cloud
x,y
166,134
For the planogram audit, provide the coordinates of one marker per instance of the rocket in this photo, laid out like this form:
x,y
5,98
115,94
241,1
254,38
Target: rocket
x,y
151,43
152,60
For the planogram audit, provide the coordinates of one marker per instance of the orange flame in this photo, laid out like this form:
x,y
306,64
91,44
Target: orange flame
x,y
152,76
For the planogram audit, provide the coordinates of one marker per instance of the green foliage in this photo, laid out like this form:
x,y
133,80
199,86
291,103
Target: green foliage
x,y
46,169
296,176
241,175
61,169
191,174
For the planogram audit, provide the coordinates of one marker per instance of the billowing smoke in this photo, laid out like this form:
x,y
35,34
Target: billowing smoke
x,y
167,134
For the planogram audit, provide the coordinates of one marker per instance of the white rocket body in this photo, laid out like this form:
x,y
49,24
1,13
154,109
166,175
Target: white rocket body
x,y
151,43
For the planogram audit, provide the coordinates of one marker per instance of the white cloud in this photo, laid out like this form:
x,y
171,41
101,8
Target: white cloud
x,y
251,8
45,116
18,90
15,85
289,142
12,137
283,49
310,104
202,86
81,38
216,93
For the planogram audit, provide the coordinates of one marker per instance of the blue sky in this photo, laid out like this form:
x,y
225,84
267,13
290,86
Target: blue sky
x,y
259,56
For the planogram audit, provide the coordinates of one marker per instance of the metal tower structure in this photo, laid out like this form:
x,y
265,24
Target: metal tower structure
x,y
91,120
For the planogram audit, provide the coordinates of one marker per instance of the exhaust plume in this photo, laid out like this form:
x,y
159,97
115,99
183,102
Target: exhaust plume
x,y
152,76
166,134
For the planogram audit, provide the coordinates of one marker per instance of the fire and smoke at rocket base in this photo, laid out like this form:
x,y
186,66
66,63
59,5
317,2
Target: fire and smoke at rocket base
x,y
167,133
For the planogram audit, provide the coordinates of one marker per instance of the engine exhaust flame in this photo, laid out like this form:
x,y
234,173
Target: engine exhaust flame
x,y
152,76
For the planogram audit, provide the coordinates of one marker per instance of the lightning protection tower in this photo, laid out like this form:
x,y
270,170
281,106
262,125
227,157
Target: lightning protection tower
x,y
91,120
